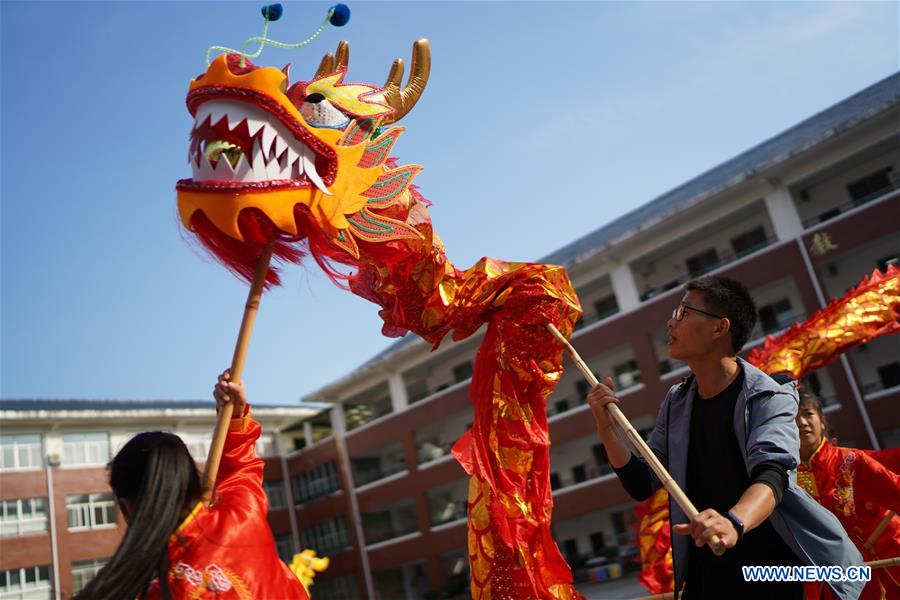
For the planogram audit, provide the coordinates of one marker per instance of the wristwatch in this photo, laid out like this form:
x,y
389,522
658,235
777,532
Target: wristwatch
x,y
738,524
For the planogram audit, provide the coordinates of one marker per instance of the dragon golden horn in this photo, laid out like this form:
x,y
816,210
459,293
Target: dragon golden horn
x,y
332,63
402,99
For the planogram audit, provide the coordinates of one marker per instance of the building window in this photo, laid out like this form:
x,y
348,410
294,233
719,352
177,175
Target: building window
x,y
90,511
389,522
869,186
284,544
85,570
602,460
378,463
606,307
25,583
322,480
21,451
417,390
462,372
579,473
326,537
627,374
623,524
85,449
448,503
368,406
339,588
598,543
776,315
24,516
583,388
555,482
703,262
890,438
570,550
561,406
882,263
275,493
889,375
749,241
455,568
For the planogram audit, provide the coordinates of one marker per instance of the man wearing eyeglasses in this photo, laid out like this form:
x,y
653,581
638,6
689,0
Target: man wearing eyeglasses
x,y
727,436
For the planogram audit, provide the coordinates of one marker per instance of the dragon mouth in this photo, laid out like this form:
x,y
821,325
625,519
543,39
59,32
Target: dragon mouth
x,y
235,145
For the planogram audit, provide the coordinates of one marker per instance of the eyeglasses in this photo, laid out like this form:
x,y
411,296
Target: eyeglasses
x,y
678,313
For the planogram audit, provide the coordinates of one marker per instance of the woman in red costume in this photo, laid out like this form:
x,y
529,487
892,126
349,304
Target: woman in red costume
x,y
178,547
859,490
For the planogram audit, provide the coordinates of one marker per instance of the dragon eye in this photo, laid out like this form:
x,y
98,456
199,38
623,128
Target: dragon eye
x,y
319,112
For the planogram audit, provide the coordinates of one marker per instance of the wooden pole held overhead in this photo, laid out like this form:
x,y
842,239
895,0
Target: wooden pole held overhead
x,y
237,367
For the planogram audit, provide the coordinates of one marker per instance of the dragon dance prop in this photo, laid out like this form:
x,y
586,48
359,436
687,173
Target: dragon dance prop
x,y
306,564
294,169
869,310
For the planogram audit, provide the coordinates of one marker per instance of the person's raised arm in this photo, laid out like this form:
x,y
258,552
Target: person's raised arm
x,y
241,471
602,395
633,472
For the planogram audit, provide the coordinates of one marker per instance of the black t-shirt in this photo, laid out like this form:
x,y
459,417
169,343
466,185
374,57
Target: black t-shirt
x,y
716,478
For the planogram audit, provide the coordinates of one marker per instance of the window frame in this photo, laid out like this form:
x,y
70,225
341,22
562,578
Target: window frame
x,y
19,520
79,442
88,511
13,442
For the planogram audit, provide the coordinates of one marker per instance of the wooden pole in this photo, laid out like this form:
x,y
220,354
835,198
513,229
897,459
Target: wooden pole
x,y
876,533
715,544
884,562
237,367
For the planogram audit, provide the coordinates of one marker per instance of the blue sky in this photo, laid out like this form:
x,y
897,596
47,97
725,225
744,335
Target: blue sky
x,y
541,122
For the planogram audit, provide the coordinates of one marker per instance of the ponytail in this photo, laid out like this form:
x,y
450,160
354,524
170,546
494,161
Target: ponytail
x,y
156,473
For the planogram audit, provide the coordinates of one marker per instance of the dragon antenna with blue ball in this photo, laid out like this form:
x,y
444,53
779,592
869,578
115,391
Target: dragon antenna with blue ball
x,y
338,15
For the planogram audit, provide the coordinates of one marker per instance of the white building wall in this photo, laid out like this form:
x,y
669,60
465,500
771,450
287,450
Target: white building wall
x,y
625,288
783,214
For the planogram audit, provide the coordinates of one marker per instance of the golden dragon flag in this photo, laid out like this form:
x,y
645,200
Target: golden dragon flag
x,y
306,167
869,310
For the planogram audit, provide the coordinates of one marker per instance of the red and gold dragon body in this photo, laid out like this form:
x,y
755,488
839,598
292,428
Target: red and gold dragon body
x,y
306,169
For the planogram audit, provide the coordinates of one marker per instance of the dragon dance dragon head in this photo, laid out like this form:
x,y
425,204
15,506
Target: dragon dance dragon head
x,y
305,167
275,162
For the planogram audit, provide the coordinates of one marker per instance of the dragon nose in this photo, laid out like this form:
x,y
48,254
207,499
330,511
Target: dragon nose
x,y
314,98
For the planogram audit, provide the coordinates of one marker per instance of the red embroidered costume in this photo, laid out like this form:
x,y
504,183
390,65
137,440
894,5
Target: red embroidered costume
x,y
859,491
226,551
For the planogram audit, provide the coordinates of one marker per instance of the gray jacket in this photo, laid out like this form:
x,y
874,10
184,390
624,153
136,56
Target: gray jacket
x,y
766,432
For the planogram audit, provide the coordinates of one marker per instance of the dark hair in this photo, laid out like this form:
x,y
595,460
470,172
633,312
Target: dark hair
x,y
814,402
154,471
730,299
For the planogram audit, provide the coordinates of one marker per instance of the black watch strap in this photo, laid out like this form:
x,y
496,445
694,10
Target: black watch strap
x,y
738,524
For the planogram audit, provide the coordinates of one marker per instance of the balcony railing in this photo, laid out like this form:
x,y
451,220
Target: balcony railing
x,y
850,205
728,258
390,524
783,322
592,471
